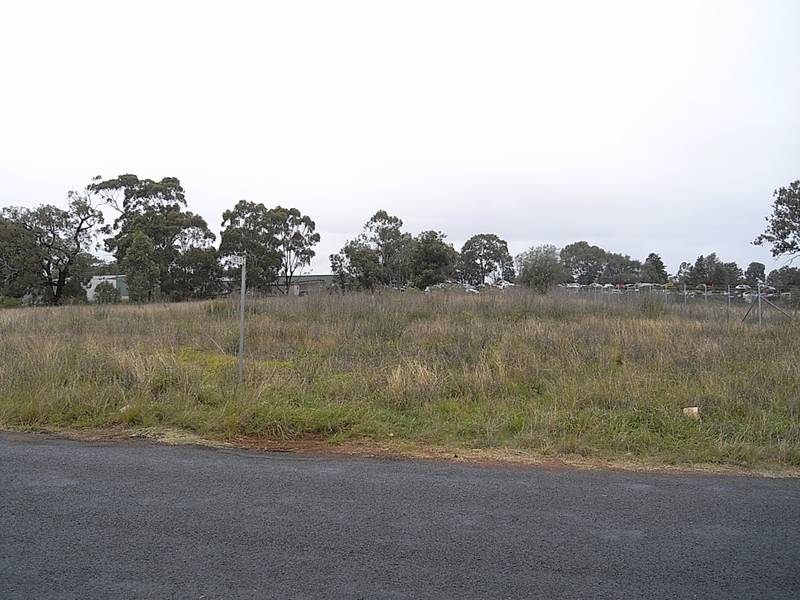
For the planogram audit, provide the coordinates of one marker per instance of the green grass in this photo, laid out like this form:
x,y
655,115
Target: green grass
x,y
548,375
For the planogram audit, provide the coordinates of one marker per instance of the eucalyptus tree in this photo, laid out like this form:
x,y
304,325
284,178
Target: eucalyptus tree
x,y
783,225
384,234
53,241
357,266
619,268
140,267
20,260
296,236
541,268
158,210
584,262
246,230
432,259
380,256
278,241
486,255
754,273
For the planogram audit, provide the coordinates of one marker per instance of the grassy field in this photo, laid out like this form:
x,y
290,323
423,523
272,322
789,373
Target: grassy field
x,y
545,375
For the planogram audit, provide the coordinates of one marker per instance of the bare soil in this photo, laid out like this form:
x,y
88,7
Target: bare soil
x,y
364,448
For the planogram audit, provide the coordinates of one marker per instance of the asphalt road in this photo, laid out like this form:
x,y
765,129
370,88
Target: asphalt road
x,y
81,520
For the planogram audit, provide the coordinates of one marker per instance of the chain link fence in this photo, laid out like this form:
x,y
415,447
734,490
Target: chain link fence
x,y
742,303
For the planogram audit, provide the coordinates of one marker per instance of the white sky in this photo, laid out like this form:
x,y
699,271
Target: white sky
x,y
639,126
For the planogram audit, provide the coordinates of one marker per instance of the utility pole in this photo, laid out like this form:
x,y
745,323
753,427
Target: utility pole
x,y
241,260
759,304
728,312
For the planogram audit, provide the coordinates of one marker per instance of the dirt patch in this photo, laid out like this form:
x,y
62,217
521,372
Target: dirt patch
x,y
396,450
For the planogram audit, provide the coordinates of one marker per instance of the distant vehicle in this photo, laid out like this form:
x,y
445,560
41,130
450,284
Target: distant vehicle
x,y
503,284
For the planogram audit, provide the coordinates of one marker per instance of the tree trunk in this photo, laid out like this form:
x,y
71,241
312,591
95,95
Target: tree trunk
x,y
62,279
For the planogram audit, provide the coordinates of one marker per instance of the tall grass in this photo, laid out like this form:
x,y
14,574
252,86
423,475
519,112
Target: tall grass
x,y
550,374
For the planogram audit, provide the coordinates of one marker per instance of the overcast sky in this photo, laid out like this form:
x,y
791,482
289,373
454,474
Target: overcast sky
x,y
639,126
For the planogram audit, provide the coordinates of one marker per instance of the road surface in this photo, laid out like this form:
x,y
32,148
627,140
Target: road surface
x,y
90,520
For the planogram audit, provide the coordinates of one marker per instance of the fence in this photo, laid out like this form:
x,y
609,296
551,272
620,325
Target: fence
x,y
706,303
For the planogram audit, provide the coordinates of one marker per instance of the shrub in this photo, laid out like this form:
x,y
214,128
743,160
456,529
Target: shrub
x,y
6,302
795,297
106,293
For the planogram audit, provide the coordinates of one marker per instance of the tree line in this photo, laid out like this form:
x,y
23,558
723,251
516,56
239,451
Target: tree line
x,y
161,247
383,255
544,266
168,252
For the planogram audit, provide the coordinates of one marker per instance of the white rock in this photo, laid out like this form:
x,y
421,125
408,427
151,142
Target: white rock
x,y
693,412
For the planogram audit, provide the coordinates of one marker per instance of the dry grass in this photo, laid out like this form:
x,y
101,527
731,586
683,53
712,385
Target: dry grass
x,y
549,375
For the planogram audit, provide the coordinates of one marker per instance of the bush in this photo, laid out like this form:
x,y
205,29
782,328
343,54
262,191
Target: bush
x,y
6,302
106,293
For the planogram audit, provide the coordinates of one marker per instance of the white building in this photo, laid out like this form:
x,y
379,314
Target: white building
x,y
118,281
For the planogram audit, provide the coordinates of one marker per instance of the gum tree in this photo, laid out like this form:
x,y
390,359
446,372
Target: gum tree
x,y
140,267
157,209
783,225
61,240
541,268
483,255
278,241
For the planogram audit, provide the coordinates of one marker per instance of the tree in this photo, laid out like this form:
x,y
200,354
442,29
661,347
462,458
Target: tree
x,y
721,274
139,195
106,293
140,267
684,274
80,275
196,274
506,268
381,255
278,241
583,262
540,268
619,268
102,267
247,229
357,265
785,278
295,237
698,275
341,274
485,255
727,274
710,270
755,272
155,208
61,238
20,260
384,234
432,259
653,269
783,225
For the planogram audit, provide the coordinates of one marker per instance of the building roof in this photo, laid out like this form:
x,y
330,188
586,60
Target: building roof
x,y
308,279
